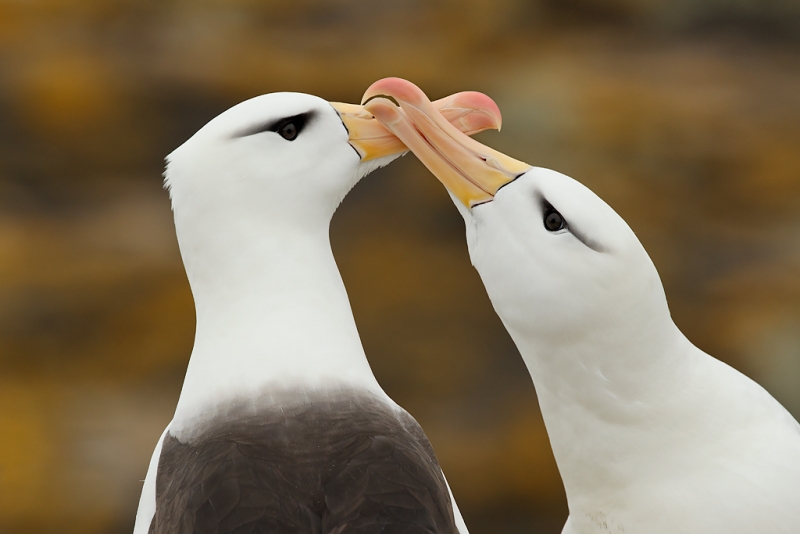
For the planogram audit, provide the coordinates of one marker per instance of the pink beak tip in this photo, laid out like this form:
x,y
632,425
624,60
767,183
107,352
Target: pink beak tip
x,y
480,103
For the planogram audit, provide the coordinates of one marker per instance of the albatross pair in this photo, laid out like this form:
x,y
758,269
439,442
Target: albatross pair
x,y
281,425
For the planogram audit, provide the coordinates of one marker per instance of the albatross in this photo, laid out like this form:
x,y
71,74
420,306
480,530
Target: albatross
x,y
650,434
281,425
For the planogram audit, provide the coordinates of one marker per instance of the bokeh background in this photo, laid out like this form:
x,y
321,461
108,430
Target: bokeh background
x,y
683,114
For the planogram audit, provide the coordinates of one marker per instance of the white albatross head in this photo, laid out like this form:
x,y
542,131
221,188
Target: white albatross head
x,y
559,265
282,158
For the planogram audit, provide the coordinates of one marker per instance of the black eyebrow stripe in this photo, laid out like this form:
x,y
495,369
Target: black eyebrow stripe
x,y
544,205
594,245
301,120
580,236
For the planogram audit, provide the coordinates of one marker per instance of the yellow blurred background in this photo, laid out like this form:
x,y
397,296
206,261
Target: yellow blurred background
x,y
684,115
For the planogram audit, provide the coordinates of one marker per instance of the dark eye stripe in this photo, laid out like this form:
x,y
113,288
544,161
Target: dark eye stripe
x,y
548,208
300,121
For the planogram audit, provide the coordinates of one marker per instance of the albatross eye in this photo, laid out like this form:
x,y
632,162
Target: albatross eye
x,y
553,221
288,127
288,131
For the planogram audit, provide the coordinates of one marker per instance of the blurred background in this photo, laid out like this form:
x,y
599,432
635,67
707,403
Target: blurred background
x,y
684,115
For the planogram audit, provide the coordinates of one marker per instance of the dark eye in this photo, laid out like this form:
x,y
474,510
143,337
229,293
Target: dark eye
x,y
288,131
553,221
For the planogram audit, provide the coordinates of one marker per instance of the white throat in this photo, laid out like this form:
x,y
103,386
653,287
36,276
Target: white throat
x,y
272,314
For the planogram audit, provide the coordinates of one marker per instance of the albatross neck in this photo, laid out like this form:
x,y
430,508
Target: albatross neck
x,y
272,313
601,394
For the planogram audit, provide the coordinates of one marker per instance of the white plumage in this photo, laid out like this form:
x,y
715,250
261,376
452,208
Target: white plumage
x,y
651,435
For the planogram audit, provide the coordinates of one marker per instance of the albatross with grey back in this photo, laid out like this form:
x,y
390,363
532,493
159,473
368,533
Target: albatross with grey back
x,y
281,425
650,434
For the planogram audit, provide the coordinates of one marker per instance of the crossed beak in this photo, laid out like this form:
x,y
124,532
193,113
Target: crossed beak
x,y
468,113
472,172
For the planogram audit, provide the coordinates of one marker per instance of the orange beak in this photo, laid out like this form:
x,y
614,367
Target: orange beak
x,y
468,112
469,170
